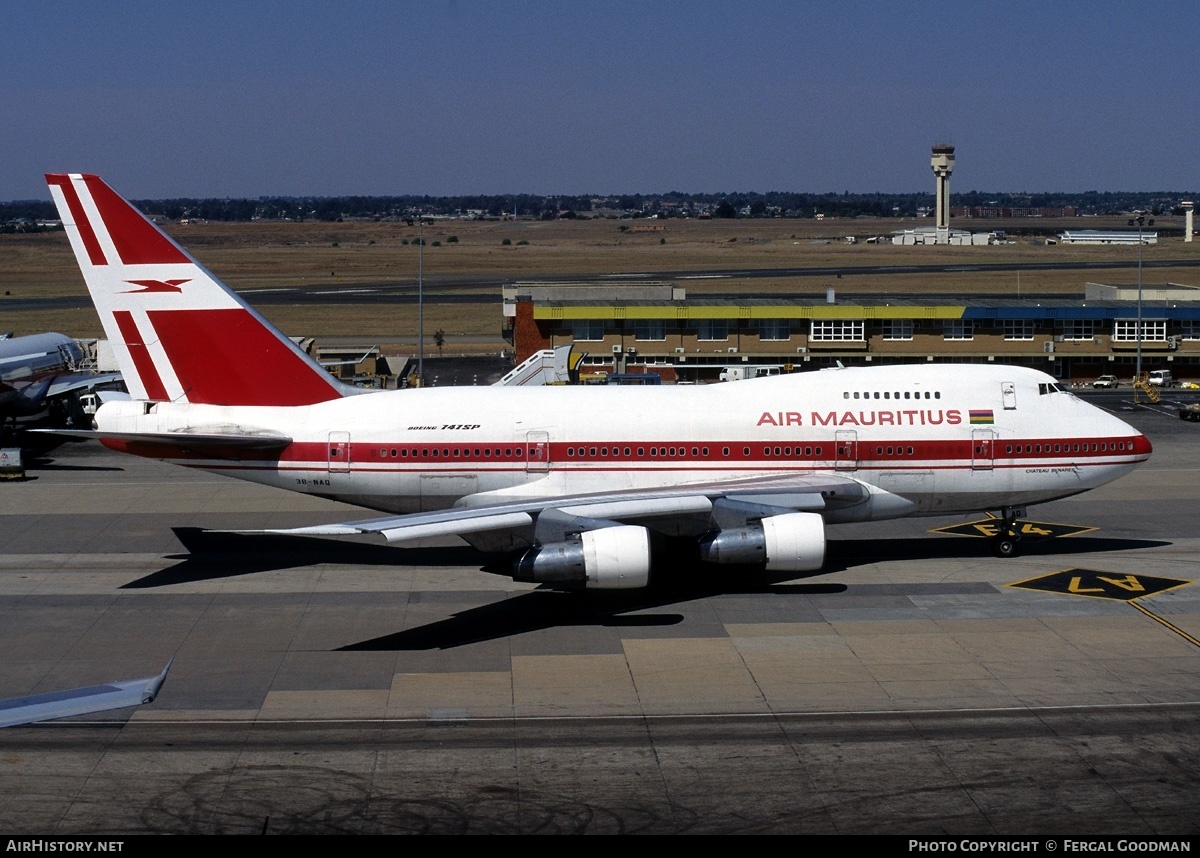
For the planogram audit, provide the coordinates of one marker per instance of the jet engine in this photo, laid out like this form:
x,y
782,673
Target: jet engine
x,y
611,558
793,542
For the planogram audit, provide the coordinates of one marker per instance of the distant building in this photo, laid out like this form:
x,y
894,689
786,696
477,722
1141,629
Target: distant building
x,y
1100,236
1011,211
694,339
940,235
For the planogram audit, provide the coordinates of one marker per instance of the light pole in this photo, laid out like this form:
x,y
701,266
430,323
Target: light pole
x,y
421,299
1140,219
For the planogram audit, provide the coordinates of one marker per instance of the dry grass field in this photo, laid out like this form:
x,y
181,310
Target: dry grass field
x,y
251,256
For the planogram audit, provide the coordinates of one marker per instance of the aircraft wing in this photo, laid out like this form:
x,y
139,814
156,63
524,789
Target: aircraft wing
x,y
482,513
81,701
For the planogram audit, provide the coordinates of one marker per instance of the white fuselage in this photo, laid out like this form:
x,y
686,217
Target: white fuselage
x,y
931,438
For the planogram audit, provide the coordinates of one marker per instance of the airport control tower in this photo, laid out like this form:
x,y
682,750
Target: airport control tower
x,y
943,165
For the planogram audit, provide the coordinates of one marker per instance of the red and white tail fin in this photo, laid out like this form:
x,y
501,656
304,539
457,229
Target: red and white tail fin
x,y
179,333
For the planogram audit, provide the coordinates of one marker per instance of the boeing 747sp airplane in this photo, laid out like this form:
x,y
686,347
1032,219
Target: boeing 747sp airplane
x,y
575,483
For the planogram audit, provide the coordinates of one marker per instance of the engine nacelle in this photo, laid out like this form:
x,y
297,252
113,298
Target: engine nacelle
x,y
612,558
793,542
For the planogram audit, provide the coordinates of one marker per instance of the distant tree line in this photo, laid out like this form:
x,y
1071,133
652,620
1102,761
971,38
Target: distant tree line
x,y
23,214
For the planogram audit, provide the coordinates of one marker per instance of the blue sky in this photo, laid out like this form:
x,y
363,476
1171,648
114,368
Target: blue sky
x,y
251,98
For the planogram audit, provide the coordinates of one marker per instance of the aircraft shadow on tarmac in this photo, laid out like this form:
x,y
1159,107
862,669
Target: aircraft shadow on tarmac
x,y
44,465
546,609
845,554
683,581
214,555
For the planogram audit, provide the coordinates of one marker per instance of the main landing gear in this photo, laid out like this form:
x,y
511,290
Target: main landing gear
x,y
1007,542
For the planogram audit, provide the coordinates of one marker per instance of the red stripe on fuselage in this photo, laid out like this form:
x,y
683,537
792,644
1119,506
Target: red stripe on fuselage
x,y
228,357
138,241
142,361
90,242
814,456
808,454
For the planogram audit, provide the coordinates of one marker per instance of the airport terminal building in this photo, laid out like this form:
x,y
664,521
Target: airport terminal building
x,y
655,328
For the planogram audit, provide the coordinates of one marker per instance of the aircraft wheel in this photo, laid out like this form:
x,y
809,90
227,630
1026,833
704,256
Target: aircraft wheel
x,y
1005,546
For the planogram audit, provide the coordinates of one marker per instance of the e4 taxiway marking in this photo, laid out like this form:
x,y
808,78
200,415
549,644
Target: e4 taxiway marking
x,y
991,526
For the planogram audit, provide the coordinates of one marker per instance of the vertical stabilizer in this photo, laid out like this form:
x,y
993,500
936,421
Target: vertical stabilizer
x,y
179,333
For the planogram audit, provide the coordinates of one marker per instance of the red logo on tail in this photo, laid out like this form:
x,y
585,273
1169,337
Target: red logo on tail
x,y
155,286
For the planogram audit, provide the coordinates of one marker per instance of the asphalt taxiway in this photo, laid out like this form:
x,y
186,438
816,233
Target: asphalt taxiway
x,y
918,685
463,289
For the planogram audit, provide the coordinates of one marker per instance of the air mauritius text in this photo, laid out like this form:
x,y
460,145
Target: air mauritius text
x,y
906,417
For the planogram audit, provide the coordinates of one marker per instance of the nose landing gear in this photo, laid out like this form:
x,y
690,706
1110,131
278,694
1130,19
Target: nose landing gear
x,y
1007,543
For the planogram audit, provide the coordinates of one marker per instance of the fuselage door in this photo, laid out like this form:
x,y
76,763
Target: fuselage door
x,y
845,447
1008,392
982,444
339,452
537,452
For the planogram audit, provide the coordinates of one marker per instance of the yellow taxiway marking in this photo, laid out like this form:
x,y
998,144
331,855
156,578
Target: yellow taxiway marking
x,y
992,526
1099,584
1106,585
1165,624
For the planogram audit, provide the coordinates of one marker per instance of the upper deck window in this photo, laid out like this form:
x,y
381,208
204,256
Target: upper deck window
x,y
587,330
837,331
712,330
957,329
774,330
898,330
1018,329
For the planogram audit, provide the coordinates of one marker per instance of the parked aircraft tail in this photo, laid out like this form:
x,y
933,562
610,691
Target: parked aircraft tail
x,y
179,333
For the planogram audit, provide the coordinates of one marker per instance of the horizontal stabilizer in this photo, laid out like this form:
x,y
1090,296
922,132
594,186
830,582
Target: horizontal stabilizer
x,y
194,441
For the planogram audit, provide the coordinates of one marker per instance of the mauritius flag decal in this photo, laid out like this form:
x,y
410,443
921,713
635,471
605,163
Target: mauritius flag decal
x,y
982,417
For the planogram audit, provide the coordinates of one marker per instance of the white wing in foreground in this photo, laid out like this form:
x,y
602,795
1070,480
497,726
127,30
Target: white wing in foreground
x,y
81,701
